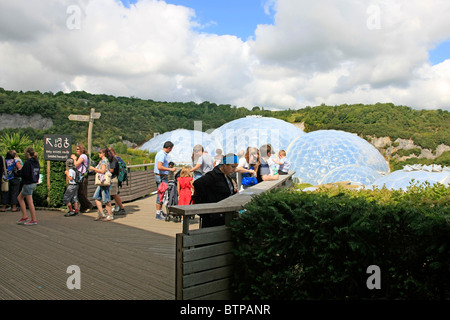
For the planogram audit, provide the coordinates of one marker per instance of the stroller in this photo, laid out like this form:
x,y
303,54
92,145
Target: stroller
x,y
171,197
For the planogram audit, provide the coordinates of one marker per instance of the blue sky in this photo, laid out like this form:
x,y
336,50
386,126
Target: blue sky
x,y
440,53
241,17
222,17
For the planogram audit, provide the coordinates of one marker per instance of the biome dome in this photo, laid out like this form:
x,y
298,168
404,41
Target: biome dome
x,y
255,131
327,156
409,175
184,141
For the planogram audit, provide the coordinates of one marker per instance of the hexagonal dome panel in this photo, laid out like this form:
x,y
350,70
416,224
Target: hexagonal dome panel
x,y
184,141
327,156
254,131
402,179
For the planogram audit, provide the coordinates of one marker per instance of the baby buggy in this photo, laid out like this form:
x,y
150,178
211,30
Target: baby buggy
x,y
171,197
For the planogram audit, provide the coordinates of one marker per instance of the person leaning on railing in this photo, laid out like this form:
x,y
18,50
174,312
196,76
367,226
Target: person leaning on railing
x,y
215,186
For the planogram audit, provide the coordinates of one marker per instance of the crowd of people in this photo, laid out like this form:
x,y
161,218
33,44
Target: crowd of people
x,y
18,183
214,179
209,179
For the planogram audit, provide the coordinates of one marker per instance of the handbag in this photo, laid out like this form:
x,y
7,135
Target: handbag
x,y
248,180
5,185
5,181
103,180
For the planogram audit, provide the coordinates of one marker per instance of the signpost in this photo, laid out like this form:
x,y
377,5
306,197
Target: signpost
x,y
57,147
94,115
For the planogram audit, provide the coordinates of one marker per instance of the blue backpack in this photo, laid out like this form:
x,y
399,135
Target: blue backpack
x,y
10,168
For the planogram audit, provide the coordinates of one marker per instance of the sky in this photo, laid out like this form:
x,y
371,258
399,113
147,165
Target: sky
x,y
276,54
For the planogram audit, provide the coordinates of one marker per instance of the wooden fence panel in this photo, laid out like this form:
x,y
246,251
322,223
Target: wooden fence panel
x,y
204,264
140,183
204,260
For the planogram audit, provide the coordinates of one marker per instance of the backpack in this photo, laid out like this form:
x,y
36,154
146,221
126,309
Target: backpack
x,y
10,168
78,176
122,174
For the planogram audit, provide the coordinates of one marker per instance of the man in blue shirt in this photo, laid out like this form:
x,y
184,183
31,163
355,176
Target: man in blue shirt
x,y
161,171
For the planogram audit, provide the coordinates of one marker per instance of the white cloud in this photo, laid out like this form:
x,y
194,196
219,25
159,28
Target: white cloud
x,y
324,51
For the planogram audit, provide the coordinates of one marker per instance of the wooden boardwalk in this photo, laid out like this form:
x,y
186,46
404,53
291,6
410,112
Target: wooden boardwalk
x,y
130,258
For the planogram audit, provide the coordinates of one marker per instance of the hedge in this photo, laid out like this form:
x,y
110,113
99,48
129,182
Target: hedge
x,y
293,245
52,198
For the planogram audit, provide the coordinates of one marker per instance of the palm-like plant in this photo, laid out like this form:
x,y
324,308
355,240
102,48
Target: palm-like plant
x,y
15,142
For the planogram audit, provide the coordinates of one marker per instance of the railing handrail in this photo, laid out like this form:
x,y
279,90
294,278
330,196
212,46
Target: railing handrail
x,y
140,165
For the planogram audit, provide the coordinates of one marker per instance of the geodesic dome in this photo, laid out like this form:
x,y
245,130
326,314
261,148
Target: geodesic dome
x,y
255,131
327,156
184,141
409,175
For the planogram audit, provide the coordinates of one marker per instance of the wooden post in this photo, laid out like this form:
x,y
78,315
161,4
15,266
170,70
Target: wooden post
x,y
91,125
48,181
91,117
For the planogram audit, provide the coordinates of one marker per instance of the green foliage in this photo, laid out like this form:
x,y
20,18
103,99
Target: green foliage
x,y
408,152
52,198
443,160
58,184
302,245
121,118
14,141
428,128
136,120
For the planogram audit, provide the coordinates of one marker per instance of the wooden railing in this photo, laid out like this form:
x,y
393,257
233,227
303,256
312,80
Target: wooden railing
x,y
204,258
141,182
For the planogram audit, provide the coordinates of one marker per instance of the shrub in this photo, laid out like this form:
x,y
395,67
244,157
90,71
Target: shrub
x,y
301,245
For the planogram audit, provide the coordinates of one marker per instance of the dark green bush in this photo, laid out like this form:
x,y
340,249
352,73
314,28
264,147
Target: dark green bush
x,y
54,198
296,245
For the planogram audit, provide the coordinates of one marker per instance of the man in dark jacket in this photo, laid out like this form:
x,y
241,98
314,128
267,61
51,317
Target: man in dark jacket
x,y
214,186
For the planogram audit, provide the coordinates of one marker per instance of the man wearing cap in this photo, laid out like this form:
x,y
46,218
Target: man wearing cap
x,y
214,186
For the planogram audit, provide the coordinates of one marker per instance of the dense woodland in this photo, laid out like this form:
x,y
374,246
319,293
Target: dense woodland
x,y
135,120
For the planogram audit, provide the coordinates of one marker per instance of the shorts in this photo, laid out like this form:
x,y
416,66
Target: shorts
x,y
71,194
27,189
114,187
103,193
197,174
158,180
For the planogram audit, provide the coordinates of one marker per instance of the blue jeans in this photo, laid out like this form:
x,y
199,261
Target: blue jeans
x,y
102,193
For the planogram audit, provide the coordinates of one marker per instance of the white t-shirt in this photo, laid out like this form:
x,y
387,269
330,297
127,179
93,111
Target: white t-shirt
x,y
206,163
72,175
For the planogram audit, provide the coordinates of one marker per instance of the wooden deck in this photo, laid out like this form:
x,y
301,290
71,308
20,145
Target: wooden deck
x,y
130,258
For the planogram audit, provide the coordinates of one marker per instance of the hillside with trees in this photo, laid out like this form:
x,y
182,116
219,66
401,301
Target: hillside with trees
x,y
136,120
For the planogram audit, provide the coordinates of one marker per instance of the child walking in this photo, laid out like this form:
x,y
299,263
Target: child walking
x,y
185,186
71,194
